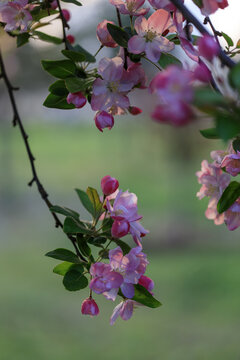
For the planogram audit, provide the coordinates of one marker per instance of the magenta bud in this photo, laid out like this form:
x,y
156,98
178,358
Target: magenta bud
x,y
104,120
146,282
54,4
109,185
104,36
134,110
77,99
70,39
207,46
89,307
120,228
66,14
202,73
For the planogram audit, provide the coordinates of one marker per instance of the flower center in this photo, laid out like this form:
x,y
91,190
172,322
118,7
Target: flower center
x,y
150,35
113,86
130,6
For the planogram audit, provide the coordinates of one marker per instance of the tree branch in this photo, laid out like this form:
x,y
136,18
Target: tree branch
x,y
35,179
64,25
191,18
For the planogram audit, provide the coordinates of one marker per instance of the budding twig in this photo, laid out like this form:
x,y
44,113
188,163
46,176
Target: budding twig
x,y
64,25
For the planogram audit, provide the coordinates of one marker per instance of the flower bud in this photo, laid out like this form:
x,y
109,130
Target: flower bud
x,y
109,185
207,46
104,120
77,99
134,110
104,36
70,39
54,4
120,228
202,73
89,307
66,14
146,282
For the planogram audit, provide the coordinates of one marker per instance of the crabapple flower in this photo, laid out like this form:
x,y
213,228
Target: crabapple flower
x,y
163,4
149,37
208,47
77,99
89,307
104,36
104,279
15,15
109,185
110,92
124,310
54,4
232,216
146,282
231,163
66,14
176,114
211,6
125,209
70,39
130,7
202,73
120,228
134,110
103,120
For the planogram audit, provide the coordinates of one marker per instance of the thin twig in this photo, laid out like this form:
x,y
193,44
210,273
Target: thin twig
x,y
215,32
125,50
64,25
35,178
191,18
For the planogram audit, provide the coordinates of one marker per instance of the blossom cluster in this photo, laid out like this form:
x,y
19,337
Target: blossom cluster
x,y
215,178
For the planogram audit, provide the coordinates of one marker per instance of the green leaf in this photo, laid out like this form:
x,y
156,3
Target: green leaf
x,y
57,102
104,254
95,200
75,84
64,211
227,125
61,69
75,280
199,3
205,97
86,202
64,255
83,246
64,267
174,38
74,55
72,2
100,240
22,39
107,225
236,144
125,247
229,196
38,13
58,88
118,34
48,38
72,226
168,59
88,57
228,39
210,133
234,76
144,297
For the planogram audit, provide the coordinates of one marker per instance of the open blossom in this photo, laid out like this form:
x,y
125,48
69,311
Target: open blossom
x,y
15,15
124,310
104,278
231,163
210,6
125,209
163,4
110,92
177,114
149,37
232,216
130,7
103,34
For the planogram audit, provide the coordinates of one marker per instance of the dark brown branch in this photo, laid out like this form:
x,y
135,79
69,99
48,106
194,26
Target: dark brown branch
x,y
192,19
64,25
125,50
35,179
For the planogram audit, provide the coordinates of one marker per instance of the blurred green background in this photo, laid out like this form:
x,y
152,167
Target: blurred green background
x,y
195,264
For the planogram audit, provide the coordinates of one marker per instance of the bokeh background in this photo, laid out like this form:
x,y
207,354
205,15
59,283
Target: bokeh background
x,y
195,264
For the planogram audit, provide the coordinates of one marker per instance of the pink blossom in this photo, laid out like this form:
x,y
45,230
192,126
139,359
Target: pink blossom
x,y
124,310
149,37
104,36
163,4
104,279
212,214
103,120
70,39
146,282
66,14
15,15
125,209
210,6
109,185
130,7
202,73
176,114
77,99
54,4
136,74
208,47
110,92
232,216
89,307
232,163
